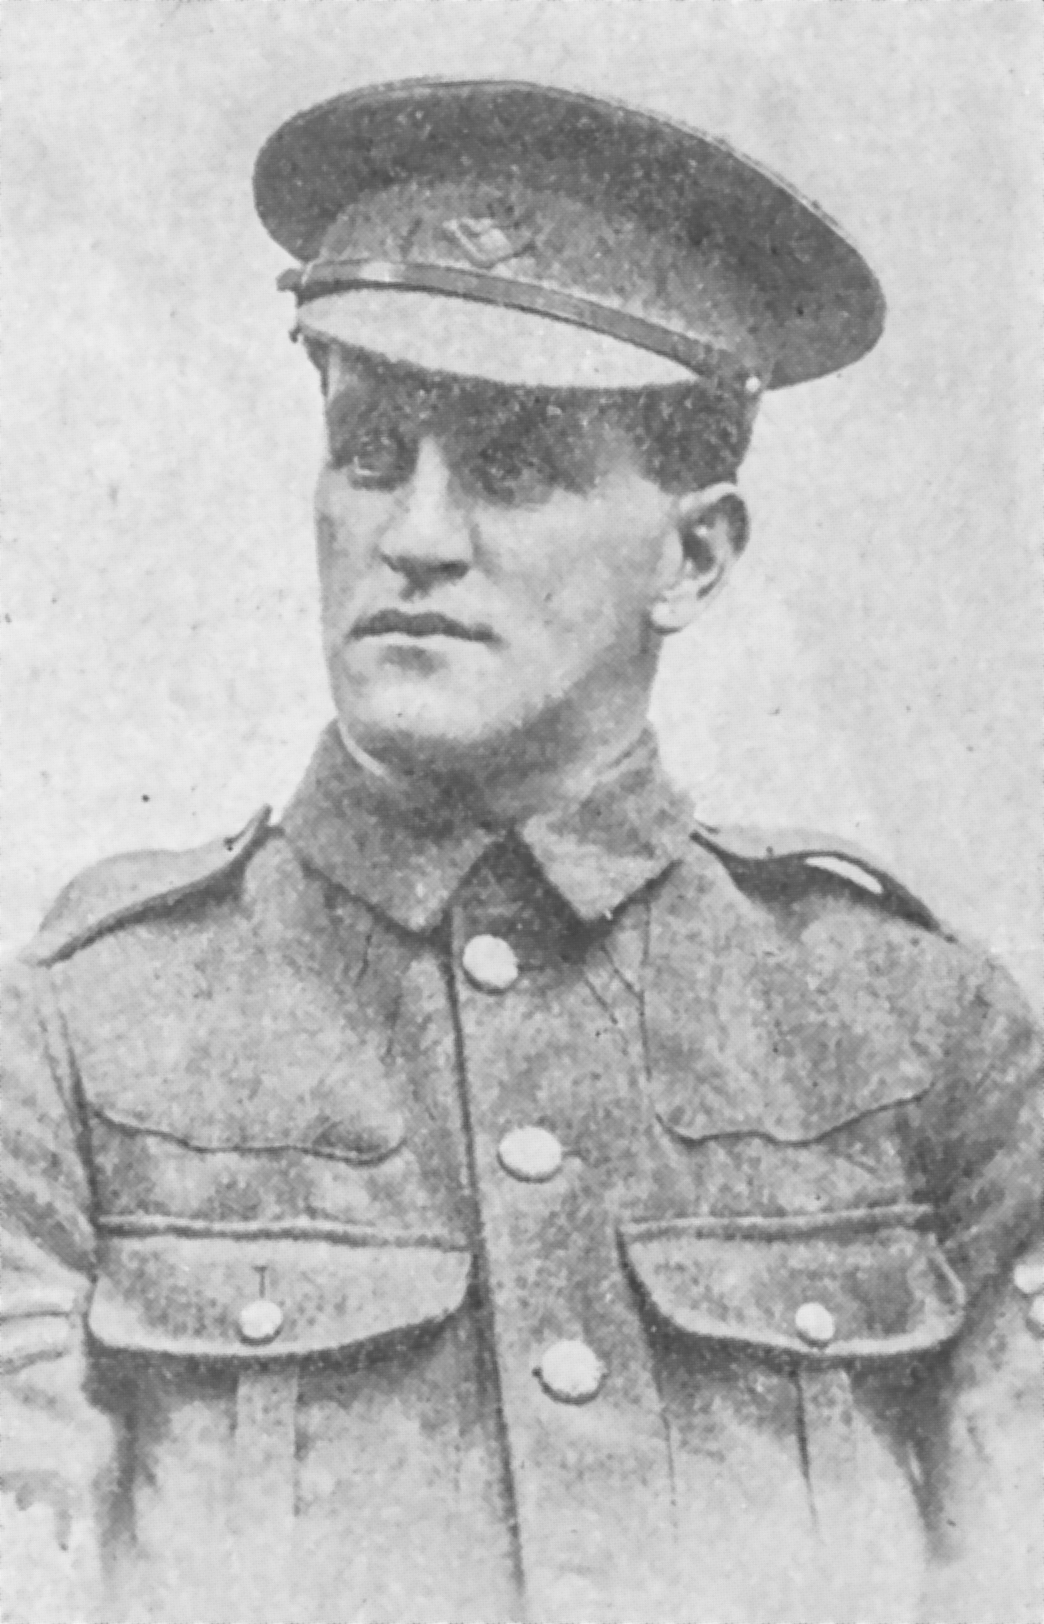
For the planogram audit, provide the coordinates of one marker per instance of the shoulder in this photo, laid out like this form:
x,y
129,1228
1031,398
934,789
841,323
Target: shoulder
x,y
791,864
843,933
122,889
816,916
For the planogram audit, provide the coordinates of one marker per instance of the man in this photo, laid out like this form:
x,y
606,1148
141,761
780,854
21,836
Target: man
x,y
487,1194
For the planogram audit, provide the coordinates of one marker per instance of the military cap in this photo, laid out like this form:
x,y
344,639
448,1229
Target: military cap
x,y
539,236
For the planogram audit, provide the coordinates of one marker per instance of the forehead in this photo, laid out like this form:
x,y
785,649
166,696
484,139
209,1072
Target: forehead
x,y
353,376
605,422
576,438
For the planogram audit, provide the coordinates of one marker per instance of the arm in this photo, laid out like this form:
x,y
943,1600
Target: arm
x,y
58,1455
982,1411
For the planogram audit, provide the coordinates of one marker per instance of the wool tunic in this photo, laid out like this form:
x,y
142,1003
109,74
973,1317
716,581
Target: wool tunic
x,y
415,1219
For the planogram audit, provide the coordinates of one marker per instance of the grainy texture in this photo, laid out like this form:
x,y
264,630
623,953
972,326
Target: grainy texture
x,y
874,670
482,1191
286,1089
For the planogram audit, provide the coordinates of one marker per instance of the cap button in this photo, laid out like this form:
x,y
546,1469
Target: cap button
x,y
260,1321
571,1372
532,1154
490,963
814,1323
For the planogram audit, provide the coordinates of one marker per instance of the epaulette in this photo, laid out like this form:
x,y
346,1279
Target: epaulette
x,y
120,889
780,857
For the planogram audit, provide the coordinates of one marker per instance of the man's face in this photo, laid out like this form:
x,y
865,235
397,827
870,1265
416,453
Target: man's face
x,y
487,559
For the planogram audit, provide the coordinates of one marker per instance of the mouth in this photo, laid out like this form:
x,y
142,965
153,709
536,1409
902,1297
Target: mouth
x,y
390,622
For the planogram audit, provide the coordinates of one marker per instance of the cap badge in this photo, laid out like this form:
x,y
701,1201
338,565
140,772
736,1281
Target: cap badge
x,y
488,242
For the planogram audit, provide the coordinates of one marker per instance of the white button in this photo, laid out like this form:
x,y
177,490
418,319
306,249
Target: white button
x,y
814,1323
1028,1276
490,963
571,1372
533,1154
260,1321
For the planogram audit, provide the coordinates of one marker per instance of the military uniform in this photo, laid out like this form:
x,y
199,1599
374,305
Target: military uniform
x,y
576,1221
586,1216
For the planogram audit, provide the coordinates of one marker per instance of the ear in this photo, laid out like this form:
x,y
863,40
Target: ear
x,y
711,526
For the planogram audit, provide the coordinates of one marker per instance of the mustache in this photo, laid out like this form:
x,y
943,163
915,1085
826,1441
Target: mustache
x,y
427,623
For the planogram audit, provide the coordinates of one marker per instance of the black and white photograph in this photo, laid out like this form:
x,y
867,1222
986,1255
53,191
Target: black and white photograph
x,y
523,923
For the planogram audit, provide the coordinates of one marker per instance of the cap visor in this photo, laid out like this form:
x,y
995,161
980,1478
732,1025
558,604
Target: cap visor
x,y
444,334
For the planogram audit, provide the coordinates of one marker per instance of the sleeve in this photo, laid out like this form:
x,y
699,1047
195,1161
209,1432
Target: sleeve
x,y
58,1444
981,1410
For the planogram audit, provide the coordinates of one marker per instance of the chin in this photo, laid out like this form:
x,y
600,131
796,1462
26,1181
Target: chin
x,y
441,731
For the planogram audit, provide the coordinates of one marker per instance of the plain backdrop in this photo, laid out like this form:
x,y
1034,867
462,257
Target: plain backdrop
x,y
875,670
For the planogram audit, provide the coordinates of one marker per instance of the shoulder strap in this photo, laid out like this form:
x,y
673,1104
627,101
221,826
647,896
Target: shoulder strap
x,y
120,889
783,854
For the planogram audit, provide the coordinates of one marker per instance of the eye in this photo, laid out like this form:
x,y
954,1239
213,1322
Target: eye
x,y
528,454
515,467
376,453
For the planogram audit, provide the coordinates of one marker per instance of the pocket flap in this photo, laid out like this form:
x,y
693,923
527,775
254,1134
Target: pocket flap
x,y
198,1296
748,1033
849,1285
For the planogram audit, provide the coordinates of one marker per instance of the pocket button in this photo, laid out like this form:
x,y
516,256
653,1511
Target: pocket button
x,y
260,1321
814,1323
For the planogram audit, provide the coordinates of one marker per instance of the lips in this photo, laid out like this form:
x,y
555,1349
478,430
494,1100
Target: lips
x,y
387,621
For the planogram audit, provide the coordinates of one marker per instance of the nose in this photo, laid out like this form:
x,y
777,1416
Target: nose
x,y
428,535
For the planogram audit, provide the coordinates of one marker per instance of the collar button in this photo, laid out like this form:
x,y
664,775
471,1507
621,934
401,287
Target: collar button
x,y
490,963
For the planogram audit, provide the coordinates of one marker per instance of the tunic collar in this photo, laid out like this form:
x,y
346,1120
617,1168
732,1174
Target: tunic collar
x,y
407,859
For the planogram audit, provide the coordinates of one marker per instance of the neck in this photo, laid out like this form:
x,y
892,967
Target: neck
x,y
509,782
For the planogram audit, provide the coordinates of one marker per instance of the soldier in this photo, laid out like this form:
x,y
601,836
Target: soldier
x,y
487,1194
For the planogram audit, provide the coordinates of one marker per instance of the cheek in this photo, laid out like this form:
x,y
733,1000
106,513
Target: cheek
x,y
342,539
596,588
331,547
333,515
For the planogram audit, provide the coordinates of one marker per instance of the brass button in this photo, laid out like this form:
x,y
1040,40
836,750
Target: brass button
x,y
533,1154
260,1321
490,963
571,1372
1028,1277
814,1323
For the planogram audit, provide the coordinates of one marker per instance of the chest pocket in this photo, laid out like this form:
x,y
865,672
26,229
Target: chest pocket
x,y
263,1098
251,1307
793,1356
789,1345
867,1285
752,1033
267,1296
